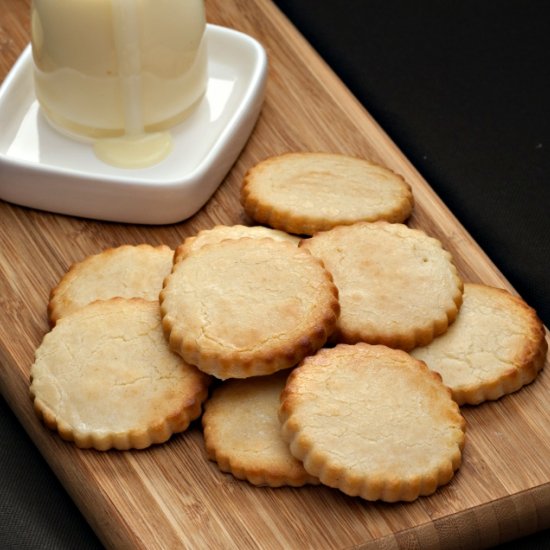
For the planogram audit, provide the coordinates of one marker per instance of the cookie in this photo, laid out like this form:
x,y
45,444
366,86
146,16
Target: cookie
x,y
382,426
248,307
304,193
105,378
221,232
242,433
496,345
397,286
126,272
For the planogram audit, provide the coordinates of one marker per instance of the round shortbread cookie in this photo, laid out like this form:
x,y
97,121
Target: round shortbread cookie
x,y
222,232
247,307
104,377
397,286
126,272
381,426
303,193
242,433
496,345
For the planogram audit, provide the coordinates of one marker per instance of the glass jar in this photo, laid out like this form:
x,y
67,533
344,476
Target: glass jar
x,y
106,68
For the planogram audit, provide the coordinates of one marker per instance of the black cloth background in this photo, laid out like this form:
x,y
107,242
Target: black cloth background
x,y
463,88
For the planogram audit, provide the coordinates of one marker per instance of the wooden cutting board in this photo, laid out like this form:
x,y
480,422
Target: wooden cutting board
x,y
170,496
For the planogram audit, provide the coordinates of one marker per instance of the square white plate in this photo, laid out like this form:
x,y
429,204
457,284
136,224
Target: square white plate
x,y
41,168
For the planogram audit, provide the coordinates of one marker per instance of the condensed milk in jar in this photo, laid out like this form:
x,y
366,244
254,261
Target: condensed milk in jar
x,y
119,73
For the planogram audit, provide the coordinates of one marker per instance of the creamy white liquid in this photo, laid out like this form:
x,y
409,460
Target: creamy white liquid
x,y
119,71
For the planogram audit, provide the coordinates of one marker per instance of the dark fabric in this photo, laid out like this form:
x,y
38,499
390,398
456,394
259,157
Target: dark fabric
x,y
462,87
35,511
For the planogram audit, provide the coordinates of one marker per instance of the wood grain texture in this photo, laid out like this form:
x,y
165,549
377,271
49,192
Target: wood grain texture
x,y
170,496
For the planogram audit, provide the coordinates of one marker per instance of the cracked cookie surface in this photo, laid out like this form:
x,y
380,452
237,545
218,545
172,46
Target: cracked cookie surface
x,y
247,307
128,271
397,286
496,345
373,422
104,377
242,432
220,233
306,192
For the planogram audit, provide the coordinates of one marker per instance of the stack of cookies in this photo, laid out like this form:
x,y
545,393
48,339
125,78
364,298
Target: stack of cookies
x,y
331,344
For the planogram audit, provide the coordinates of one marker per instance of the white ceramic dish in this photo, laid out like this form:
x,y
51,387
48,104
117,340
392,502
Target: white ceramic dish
x,y
43,169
